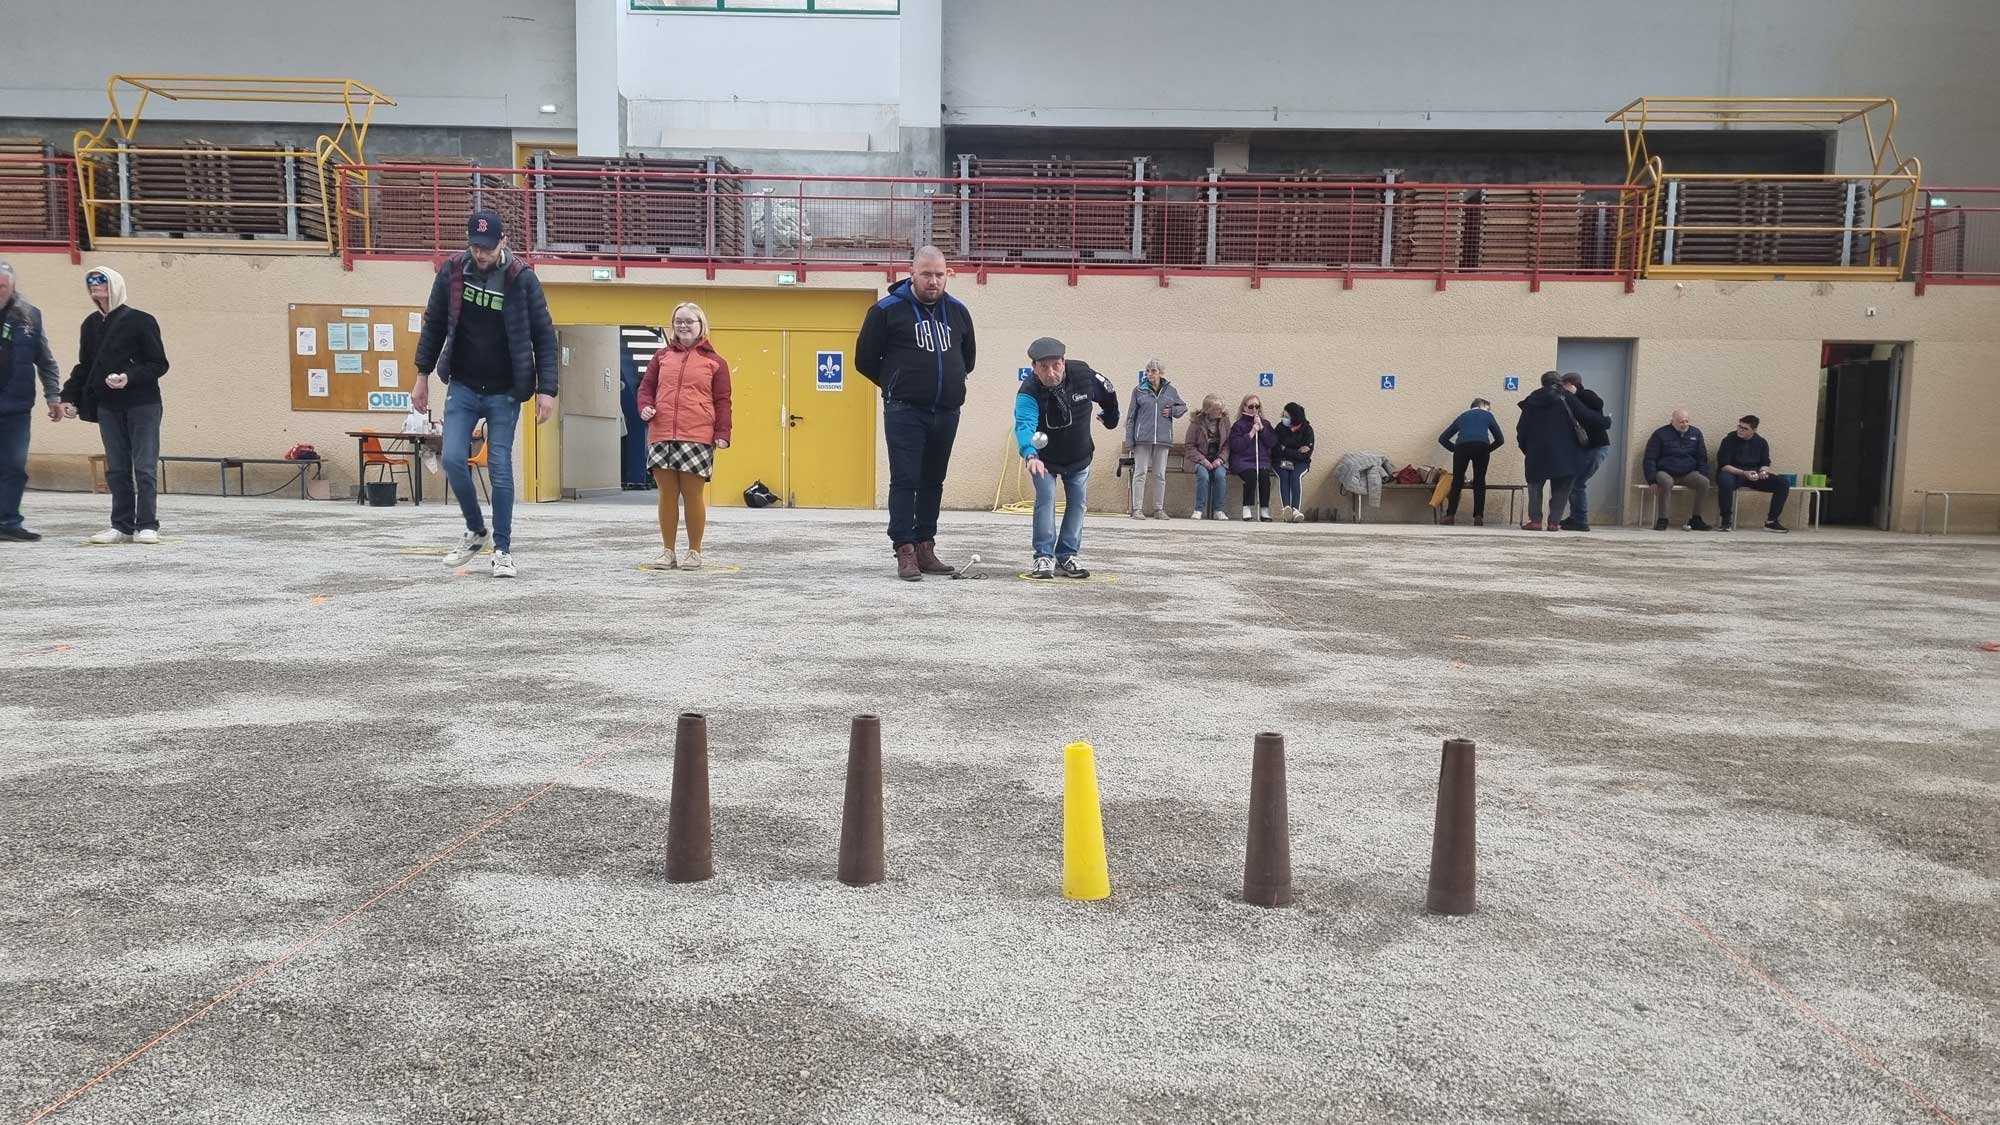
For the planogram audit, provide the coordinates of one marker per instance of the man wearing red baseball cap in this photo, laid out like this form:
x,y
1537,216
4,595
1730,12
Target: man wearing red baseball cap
x,y
488,335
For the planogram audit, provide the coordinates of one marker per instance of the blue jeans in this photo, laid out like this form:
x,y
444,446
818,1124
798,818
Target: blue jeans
x,y
919,456
1210,489
13,465
1288,486
1047,543
1579,494
463,408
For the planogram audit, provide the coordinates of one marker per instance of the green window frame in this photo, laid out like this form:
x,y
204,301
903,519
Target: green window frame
x,y
771,8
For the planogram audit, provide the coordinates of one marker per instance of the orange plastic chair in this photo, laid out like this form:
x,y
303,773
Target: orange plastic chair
x,y
373,457
477,462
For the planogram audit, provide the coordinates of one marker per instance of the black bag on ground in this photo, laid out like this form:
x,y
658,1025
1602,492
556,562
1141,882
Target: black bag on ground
x,y
758,496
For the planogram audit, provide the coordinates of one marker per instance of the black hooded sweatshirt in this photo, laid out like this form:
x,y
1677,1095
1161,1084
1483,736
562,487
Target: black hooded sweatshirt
x,y
1295,442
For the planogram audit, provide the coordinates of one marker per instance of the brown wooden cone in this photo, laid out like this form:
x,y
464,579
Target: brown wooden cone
x,y
1267,861
861,815
689,855
1453,844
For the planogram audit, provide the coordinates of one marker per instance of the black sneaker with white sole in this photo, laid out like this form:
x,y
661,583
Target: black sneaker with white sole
x,y
1070,568
1774,525
1696,523
1044,567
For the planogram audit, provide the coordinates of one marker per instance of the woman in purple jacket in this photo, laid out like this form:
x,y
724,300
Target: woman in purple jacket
x,y
1251,443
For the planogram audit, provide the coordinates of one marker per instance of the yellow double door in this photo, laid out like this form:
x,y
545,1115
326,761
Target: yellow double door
x,y
809,443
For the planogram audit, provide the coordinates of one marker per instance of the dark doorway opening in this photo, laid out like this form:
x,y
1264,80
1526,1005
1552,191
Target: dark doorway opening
x,y
1860,397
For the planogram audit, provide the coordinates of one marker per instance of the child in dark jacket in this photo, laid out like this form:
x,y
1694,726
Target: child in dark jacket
x,y
1294,457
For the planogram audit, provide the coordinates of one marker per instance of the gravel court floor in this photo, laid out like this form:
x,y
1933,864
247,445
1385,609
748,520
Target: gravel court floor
x,y
1739,801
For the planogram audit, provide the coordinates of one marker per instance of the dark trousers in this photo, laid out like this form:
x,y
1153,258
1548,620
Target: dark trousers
x,y
132,465
1727,483
13,464
1259,485
1475,456
919,457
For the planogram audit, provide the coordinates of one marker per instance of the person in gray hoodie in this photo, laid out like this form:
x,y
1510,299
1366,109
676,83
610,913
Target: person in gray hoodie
x,y
1149,434
25,359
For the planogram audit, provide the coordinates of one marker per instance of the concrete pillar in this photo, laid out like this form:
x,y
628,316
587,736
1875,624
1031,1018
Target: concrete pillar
x,y
919,112
600,109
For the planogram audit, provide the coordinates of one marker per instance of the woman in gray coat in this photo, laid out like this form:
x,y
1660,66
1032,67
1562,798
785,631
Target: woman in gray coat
x,y
1149,434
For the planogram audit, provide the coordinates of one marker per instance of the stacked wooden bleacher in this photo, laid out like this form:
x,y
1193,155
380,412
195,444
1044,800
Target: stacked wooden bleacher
x,y
211,191
1525,230
1760,203
413,208
1056,218
1304,218
595,207
1428,232
32,195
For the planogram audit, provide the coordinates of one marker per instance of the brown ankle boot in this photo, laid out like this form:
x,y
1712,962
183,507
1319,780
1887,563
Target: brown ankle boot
x,y
906,563
927,560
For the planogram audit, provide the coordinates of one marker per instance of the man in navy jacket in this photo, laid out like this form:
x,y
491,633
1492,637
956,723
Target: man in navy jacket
x,y
1743,460
916,344
1678,454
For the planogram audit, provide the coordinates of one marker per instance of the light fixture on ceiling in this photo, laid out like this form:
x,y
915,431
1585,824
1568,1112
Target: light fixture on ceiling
x,y
548,107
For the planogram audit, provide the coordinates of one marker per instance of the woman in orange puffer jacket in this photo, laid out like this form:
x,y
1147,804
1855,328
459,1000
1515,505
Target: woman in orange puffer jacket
x,y
684,400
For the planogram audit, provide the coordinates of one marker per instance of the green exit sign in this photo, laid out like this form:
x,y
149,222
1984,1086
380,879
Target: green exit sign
x,y
600,274
788,278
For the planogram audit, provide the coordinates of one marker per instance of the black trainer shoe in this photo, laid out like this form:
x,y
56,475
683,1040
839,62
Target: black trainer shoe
x,y
1044,567
1069,568
1774,525
1696,523
1660,524
20,535
1572,525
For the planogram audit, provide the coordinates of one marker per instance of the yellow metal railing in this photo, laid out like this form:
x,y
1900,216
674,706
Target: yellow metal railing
x,y
1875,233
105,158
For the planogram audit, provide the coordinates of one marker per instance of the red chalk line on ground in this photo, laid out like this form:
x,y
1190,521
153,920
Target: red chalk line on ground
x,y
1812,1015
226,995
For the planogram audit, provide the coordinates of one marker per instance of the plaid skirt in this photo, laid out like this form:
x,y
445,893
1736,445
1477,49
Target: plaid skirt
x,y
682,457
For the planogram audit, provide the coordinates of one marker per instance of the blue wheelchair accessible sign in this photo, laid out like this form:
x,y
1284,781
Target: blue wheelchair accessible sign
x,y
1388,382
1267,379
831,372
1511,383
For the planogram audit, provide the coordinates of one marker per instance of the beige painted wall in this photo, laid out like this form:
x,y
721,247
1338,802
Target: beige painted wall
x,y
1721,348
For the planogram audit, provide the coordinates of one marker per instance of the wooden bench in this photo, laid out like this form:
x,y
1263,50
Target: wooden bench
x,y
224,464
1512,491
1924,506
1809,495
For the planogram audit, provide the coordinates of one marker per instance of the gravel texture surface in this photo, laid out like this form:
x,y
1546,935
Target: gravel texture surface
x,y
1739,835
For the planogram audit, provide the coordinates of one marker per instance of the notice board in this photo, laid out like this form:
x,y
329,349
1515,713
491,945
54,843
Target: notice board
x,y
354,357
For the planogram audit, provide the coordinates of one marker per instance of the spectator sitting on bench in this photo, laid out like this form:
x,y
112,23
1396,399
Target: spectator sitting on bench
x,y
1743,460
1252,444
1677,454
1208,457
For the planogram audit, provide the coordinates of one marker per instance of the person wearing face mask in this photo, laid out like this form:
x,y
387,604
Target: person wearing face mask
x,y
1052,430
1252,444
1207,453
1149,434
25,359
488,335
116,384
1294,457
685,402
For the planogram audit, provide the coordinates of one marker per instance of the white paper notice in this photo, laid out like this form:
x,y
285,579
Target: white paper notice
x,y
336,337
308,341
386,374
347,363
385,337
416,322
357,336
316,382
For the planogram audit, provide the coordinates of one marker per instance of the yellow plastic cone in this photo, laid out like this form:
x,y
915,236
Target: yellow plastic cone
x,y
1085,875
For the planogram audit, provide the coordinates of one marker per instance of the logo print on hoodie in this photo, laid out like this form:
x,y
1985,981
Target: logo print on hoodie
x,y
484,298
928,340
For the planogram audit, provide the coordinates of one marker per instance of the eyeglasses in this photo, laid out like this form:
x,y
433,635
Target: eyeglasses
x,y
680,322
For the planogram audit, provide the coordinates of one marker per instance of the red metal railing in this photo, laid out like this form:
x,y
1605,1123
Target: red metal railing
x,y
38,209
623,219
1957,237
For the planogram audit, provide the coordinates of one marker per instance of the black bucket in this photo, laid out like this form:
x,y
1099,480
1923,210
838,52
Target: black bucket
x,y
381,493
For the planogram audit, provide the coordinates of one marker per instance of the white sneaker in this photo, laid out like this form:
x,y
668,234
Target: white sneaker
x,y
1298,516
691,560
1044,567
1162,515
1246,513
1137,514
147,536
1198,515
109,535
503,565
666,561
1264,514
473,543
